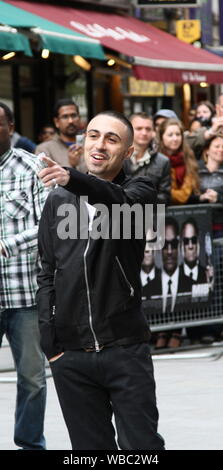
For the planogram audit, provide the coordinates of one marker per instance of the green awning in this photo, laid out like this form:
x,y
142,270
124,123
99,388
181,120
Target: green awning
x,y
13,41
53,36
64,44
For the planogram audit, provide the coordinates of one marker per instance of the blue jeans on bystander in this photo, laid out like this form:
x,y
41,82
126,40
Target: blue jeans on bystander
x,y
20,325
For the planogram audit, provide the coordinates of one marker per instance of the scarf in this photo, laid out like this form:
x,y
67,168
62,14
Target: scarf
x,y
177,162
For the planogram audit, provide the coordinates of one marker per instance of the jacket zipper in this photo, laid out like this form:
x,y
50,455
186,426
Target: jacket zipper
x,y
125,277
96,343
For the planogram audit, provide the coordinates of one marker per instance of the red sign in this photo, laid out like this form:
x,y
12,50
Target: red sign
x,y
156,55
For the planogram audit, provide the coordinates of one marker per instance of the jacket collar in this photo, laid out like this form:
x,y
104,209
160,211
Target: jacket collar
x,y
202,165
203,168
144,160
120,177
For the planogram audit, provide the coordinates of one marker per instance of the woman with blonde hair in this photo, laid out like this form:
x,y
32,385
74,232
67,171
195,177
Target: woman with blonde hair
x,y
184,167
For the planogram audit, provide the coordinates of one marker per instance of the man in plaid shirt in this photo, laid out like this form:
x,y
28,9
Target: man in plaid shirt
x,y
21,201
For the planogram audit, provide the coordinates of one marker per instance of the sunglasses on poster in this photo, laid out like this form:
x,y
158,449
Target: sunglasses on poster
x,y
187,240
172,243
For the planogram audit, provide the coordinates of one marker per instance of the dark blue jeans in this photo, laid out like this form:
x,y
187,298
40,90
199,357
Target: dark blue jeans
x,y
92,386
21,329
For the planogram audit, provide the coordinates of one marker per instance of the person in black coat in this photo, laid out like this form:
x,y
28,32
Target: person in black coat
x,y
191,266
150,274
175,284
146,160
176,287
150,281
92,327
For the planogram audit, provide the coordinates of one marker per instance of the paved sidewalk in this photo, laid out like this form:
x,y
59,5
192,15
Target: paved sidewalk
x,y
189,394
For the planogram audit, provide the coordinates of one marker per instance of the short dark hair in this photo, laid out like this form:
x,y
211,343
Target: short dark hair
x,y
171,221
8,112
64,102
122,118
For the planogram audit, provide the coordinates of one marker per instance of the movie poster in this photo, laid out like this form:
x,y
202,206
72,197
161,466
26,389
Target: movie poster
x,y
180,276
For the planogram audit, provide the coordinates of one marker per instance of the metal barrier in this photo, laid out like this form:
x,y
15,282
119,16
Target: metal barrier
x,y
212,314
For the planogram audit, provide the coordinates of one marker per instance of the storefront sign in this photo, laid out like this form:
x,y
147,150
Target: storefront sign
x,y
188,30
180,276
194,77
150,88
98,31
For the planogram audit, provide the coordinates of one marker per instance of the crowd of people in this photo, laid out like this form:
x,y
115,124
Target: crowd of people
x,y
156,152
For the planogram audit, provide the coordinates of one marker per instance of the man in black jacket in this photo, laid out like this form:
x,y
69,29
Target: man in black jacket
x,y
190,250
92,327
176,286
146,160
150,274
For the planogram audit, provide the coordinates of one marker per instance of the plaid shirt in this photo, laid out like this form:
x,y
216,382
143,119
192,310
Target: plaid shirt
x,y
22,197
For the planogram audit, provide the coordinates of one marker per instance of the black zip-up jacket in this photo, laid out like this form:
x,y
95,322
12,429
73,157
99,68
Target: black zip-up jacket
x,y
89,289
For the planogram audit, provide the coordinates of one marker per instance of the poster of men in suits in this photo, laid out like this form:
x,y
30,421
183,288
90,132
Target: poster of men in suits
x,y
179,276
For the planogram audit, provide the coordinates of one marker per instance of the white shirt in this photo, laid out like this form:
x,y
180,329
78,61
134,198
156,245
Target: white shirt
x,y
91,212
188,271
174,287
141,161
144,276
